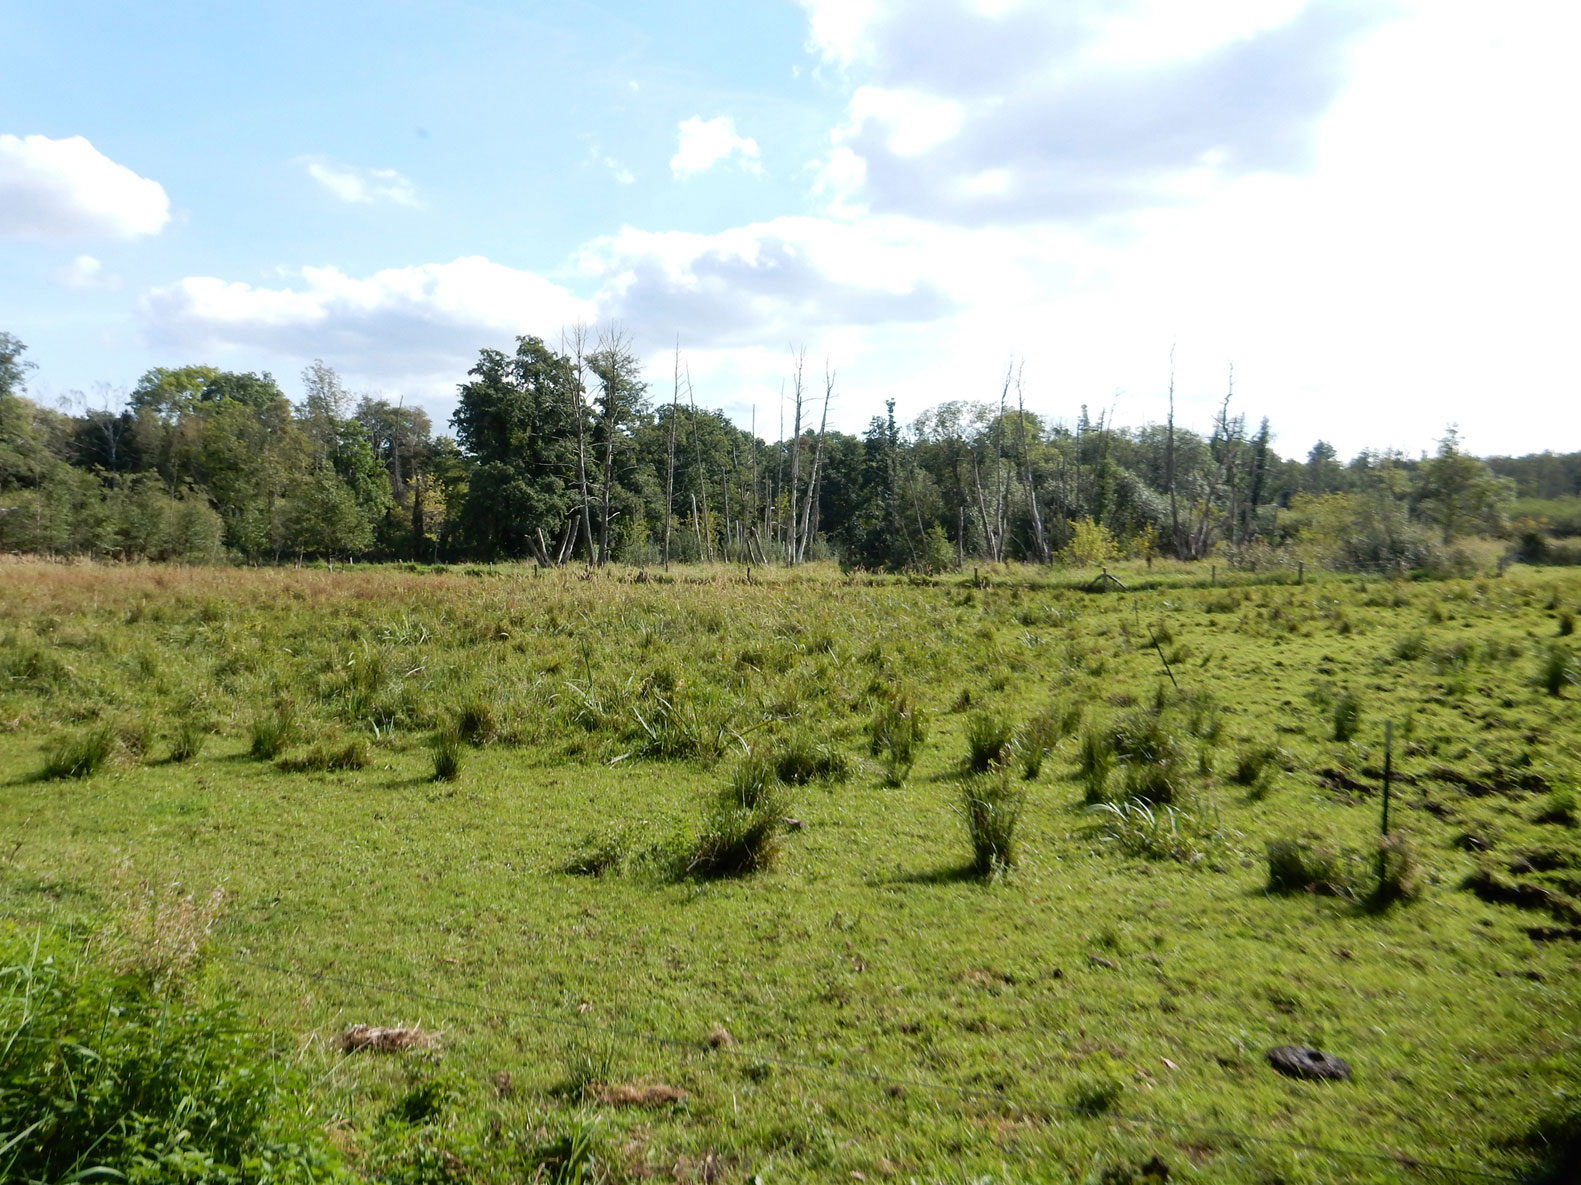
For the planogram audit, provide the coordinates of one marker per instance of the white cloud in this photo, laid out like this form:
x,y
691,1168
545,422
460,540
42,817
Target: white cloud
x,y
706,142
86,274
621,174
68,189
362,187
396,324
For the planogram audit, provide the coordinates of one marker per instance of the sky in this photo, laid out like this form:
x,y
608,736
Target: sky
x,y
1364,210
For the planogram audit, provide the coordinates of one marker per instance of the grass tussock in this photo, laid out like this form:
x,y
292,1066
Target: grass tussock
x,y
1556,668
447,746
477,722
989,736
1159,833
188,741
1345,716
79,755
1309,864
897,731
737,840
272,733
991,808
327,757
802,760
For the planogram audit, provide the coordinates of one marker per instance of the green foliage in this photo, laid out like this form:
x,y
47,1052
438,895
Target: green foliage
x,y
1556,668
188,741
1345,715
898,729
448,746
1558,808
1309,864
477,722
988,741
327,757
1161,833
1398,876
273,732
991,807
738,839
103,1077
79,755
573,1156
800,760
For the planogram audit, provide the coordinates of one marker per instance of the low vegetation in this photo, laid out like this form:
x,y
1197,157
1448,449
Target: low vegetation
x,y
823,874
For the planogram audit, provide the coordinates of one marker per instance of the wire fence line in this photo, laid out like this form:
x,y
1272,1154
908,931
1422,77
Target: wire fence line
x,y
877,1078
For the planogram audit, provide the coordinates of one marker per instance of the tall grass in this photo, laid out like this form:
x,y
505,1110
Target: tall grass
x,y
988,740
447,746
991,808
897,731
79,755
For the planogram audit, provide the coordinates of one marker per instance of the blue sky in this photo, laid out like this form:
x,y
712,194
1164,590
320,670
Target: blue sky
x,y
1367,207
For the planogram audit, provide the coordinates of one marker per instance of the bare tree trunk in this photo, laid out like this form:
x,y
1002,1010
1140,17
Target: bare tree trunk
x,y
790,544
817,466
669,470
1169,461
578,410
1039,539
707,537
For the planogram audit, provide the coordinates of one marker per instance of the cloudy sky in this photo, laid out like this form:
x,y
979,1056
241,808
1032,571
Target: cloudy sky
x,y
1367,206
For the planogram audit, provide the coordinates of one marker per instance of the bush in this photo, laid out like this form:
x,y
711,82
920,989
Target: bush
x,y
103,1077
988,737
80,755
272,733
1346,716
991,807
447,745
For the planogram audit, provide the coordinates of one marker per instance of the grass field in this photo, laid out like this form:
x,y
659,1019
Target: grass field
x,y
867,1003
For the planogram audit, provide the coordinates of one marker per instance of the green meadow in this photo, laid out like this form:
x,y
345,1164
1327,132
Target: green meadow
x,y
807,876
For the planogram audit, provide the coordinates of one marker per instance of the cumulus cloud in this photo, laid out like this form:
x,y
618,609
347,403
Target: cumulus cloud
x,y
1020,112
706,142
68,189
86,274
362,187
398,322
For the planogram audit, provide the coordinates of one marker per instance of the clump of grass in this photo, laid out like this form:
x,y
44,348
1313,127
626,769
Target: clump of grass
x,y
589,1063
1095,763
753,779
802,760
736,839
1255,765
325,757
1306,864
79,755
573,1155
1559,808
1346,715
1555,668
477,722
447,746
897,731
1410,646
1041,733
272,733
1398,876
188,741
605,852
991,807
1137,829
1096,1092
988,740
1567,623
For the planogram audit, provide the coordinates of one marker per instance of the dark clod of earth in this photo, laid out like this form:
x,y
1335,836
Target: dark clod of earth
x,y
1297,1061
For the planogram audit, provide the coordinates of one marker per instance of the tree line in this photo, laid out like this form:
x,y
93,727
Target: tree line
x,y
570,454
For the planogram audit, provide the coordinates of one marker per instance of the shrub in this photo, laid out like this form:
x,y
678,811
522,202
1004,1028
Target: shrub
x,y
1555,668
106,1078
188,741
272,733
80,755
1346,716
897,731
988,737
447,745
1305,864
991,807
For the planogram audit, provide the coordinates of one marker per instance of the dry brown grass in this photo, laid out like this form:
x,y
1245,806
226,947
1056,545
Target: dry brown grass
x,y
379,1039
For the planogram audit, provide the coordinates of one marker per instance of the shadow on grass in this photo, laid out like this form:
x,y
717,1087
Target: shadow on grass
x,y
953,874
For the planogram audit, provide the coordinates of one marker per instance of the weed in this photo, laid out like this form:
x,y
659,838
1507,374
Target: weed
x,y
991,807
1346,715
80,755
572,1156
1096,1093
1041,733
1410,646
447,746
988,739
